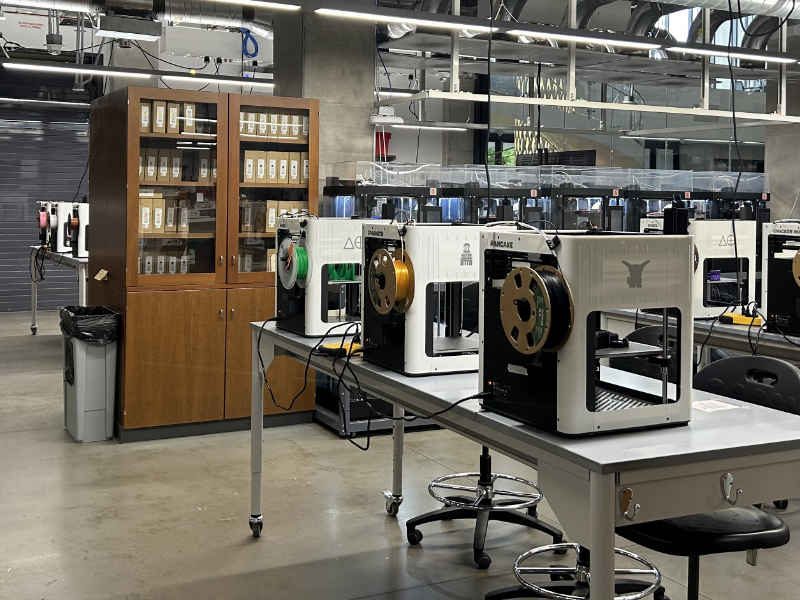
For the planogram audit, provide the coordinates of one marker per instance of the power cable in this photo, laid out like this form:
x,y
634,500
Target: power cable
x,y
488,104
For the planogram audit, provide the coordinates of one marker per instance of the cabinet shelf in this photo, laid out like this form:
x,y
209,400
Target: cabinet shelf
x,y
291,186
149,184
268,234
246,137
182,235
178,136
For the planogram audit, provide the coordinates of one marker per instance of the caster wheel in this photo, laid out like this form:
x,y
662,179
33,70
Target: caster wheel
x,y
257,530
414,537
483,561
532,512
392,507
782,504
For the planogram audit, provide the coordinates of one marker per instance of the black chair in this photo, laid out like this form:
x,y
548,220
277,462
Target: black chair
x,y
487,503
764,381
652,335
761,380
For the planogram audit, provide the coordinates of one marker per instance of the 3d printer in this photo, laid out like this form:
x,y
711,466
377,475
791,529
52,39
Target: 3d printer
x,y
717,284
543,352
419,313
319,272
780,296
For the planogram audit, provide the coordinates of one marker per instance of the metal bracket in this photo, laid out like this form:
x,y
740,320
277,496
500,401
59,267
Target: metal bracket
x,y
625,501
726,484
752,557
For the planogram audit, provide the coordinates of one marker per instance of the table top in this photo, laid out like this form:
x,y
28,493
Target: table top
x,y
704,325
745,431
62,258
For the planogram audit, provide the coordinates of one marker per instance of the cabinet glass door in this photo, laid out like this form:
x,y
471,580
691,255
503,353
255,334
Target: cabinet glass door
x,y
180,182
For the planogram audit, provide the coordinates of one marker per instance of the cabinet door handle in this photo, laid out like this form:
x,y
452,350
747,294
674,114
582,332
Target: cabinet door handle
x,y
233,260
221,260
221,314
232,313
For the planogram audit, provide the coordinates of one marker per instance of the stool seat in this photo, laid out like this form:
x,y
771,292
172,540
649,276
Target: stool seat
x,y
728,530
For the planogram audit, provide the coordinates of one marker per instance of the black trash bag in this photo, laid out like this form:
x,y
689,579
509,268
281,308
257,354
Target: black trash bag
x,y
93,324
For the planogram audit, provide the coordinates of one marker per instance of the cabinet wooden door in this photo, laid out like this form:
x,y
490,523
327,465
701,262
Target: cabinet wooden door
x,y
285,375
174,357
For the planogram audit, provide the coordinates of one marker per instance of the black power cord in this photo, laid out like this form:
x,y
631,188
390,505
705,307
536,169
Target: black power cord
x,y
488,105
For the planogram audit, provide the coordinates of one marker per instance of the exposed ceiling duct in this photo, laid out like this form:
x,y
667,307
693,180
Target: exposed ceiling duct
x,y
645,16
768,8
585,10
718,17
219,14
759,32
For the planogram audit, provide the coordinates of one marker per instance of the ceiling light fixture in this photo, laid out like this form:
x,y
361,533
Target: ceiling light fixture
x,y
68,70
434,127
260,4
128,28
723,53
249,81
568,37
47,102
381,18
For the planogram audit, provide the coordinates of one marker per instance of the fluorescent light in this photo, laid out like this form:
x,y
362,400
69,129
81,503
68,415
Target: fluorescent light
x,y
410,20
205,134
653,139
219,80
434,127
48,102
260,4
72,70
739,55
568,37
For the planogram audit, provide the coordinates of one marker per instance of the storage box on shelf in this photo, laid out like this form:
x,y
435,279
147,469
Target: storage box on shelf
x,y
273,169
174,239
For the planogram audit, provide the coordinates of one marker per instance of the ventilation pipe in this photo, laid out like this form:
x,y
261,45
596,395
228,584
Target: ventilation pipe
x,y
585,10
644,18
760,30
718,17
767,8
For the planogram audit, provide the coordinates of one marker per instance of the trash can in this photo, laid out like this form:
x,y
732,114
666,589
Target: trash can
x,y
89,340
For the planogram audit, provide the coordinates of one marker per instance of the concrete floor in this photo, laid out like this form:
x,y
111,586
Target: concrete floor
x,y
168,519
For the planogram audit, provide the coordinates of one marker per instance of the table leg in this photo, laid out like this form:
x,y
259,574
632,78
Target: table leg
x,y
601,535
257,427
394,498
34,293
82,285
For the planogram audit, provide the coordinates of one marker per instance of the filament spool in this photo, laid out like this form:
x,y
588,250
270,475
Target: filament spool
x,y
536,309
294,263
796,268
391,281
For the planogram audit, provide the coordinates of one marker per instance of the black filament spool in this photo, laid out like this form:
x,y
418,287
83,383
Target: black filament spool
x,y
560,307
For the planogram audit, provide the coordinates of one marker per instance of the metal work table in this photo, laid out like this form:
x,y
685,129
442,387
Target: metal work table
x,y
79,264
672,472
731,337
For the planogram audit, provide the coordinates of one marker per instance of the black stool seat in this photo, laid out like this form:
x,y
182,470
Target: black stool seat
x,y
729,530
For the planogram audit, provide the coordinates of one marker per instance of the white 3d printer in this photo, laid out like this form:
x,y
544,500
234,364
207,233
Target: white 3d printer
x,y
319,273
543,352
716,247
419,313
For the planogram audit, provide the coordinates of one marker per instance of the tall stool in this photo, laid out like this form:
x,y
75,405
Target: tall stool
x,y
486,504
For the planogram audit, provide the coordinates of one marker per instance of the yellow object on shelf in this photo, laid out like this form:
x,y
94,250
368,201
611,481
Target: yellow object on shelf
x,y
737,319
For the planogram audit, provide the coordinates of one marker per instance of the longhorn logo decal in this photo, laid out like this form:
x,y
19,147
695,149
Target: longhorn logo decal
x,y
635,273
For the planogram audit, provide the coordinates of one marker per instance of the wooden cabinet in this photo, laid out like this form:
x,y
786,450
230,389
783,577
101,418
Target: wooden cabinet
x,y
171,233
284,375
174,357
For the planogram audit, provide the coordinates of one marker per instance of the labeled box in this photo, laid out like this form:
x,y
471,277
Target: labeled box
x,y
301,206
183,220
189,116
283,167
252,119
261,167
272,216
176,165
272,261
163,165
141,164
284,128
214,166
263,123
145,215
245,216
173,122
285,207
144,117
204,169
296,128
242,119
294,168
147,266
274,124
304,132
158,215
272,167
249,167
170,217
159,117
304,167
151,164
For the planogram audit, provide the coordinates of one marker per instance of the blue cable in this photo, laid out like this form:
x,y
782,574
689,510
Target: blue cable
x,y
248,38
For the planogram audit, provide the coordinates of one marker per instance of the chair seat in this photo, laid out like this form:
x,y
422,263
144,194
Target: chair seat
x,y
729,530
